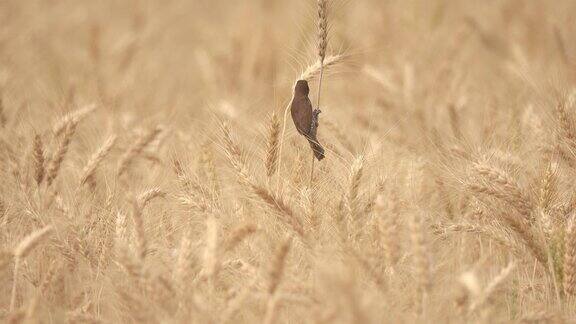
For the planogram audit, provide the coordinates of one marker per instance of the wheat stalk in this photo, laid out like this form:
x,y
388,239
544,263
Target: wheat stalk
x,y
207,161
312,71
39,161
60,153
238,235
141,239
274,279
21,251
3,118
234,155
211,257
72,118
90,169
506,188
492,286
354,179
322,43
570,258
136,148
566,123
278,267
547,187
183,261
234,305
150,194
421,261
272,145
388,221
503,187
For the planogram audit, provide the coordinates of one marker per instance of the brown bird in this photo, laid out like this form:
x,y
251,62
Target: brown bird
x,y
305,119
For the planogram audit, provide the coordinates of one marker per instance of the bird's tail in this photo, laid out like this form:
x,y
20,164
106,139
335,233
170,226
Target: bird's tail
x,y
317,149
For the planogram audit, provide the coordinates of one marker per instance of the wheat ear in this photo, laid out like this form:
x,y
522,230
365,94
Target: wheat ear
x,y
73,117
22,250
508,189
211,257
238,235
234,155
388,221
421,261
355,176
570,259
58,158
272,146
492,287
136,148
138,219
39,160
185,253
90,169
275,278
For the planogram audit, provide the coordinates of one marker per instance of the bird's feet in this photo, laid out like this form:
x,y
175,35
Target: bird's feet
x,y
315,117
314,126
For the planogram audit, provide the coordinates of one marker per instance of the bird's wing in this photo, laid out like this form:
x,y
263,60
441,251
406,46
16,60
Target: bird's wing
x,y
301,110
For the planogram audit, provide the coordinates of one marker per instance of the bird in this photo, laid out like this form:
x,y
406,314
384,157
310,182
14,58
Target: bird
x,y
305,118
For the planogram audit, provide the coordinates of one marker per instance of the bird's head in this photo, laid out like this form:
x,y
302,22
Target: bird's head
x,y
301,88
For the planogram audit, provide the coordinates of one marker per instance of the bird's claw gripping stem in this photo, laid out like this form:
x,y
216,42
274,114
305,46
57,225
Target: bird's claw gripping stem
x,y
314,126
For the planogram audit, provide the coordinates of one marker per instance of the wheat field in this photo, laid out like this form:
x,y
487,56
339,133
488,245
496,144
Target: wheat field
x,y
151,171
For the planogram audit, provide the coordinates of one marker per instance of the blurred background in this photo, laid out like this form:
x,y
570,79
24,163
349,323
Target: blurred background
x,y
186,61
426,90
